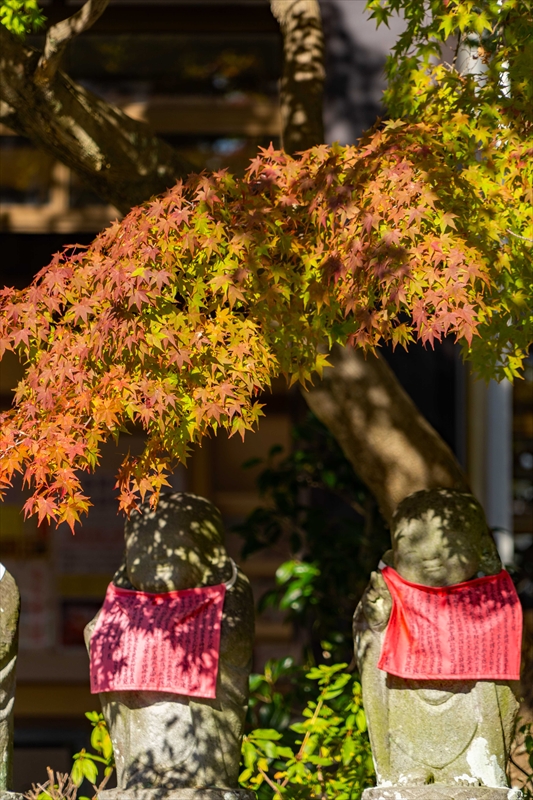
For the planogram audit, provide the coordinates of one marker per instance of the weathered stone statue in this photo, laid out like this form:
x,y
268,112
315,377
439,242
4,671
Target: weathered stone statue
x,y
173,746
9,623
434,738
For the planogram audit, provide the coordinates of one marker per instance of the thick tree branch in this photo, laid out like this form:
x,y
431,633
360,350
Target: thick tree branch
x,y
123,161
7,115
303,73
62,33
388,441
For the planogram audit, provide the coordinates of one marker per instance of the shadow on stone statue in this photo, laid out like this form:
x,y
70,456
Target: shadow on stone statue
x,y
434,740
170,746
9,626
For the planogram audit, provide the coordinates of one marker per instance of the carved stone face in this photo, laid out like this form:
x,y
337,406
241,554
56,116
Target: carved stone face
x,y
179,545
440,538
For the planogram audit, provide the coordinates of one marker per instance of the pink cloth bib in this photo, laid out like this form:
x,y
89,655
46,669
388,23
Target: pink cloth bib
x,y
166,642
468,631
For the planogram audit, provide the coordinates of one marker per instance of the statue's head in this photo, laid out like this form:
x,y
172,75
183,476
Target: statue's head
x,y
440,537
177,545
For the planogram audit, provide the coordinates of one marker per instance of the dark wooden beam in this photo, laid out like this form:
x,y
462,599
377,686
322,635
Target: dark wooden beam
x,y
193,18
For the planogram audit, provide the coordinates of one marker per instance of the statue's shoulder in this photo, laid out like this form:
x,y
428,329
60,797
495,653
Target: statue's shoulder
x,y
375,606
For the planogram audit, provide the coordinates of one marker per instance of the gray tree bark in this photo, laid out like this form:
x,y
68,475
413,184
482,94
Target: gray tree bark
x,y
122,160
390,444
302,83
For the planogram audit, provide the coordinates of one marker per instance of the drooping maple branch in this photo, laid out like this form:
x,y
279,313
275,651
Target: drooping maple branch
x,y
121,158
60,34
125,331
391,445
303,73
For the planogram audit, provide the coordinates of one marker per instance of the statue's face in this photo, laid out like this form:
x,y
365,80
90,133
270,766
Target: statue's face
x,y
175,547
428,550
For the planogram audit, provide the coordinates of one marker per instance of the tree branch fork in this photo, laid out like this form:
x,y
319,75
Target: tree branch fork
x,y
63,32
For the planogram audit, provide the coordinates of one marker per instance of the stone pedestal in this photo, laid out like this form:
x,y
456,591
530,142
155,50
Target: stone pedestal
x,y
440,791
179,794
11,796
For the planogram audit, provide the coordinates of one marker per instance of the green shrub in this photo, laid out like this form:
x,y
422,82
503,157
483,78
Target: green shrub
x,y
325,753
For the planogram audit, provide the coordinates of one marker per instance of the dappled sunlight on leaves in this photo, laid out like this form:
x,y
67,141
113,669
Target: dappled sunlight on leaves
x,y
177,317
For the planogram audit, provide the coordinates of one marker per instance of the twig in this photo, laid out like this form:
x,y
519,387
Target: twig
x,y
517,235
301,752
271,783
456,52
101,786
511,759
35,791
60,34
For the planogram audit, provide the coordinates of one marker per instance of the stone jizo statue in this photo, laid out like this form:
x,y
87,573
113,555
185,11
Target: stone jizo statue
x,y
9,625
172,746
438,738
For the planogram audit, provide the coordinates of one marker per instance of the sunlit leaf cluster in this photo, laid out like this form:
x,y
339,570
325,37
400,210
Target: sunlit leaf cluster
x,y
174,319
85,764
21,16
472,56
464,67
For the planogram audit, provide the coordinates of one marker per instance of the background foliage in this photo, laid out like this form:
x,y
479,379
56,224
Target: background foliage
x,y
307,728
326,753
316,504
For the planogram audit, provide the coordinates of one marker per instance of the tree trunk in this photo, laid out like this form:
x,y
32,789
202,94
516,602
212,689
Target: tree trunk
x,y
121,159
389,443
303,73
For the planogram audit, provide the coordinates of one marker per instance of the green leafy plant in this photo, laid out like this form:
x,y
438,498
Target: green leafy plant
x,y
276,694
316,504
307,732
86,764
325,754
61,786
524,746
21,16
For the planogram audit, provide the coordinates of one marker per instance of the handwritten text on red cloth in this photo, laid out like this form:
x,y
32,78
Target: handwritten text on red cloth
x,y
469,631
166,642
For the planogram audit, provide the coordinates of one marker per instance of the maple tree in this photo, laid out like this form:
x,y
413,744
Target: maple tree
x,y
176,317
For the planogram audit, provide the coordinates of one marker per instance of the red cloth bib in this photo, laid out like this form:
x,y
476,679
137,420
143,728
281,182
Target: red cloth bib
x,y
166,642
468,631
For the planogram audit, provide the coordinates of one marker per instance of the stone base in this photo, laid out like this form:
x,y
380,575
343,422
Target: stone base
x,y
10,795
440,791
176,794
